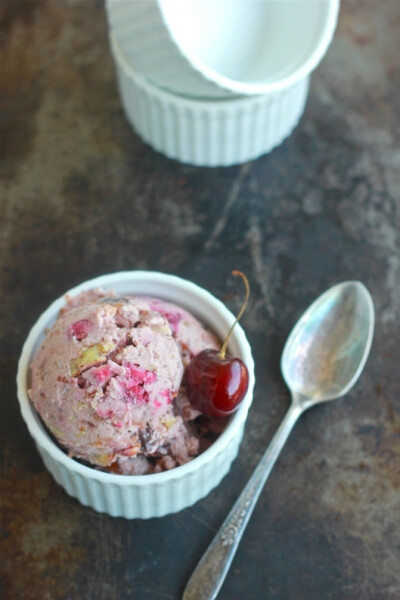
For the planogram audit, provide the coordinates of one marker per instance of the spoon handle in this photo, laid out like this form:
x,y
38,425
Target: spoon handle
x,y
211,571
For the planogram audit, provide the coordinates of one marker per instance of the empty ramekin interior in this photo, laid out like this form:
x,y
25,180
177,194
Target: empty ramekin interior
x,y
248,45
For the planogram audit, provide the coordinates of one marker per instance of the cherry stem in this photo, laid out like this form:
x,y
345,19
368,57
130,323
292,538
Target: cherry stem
x,y
246,283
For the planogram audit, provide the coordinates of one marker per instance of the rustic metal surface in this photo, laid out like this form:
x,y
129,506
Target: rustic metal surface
x,y
81,195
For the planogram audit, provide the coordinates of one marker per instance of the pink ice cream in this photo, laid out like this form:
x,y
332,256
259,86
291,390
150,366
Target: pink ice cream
x,y
107,381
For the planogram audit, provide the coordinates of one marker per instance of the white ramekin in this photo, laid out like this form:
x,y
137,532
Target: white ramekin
x,y
216,48
207,133
142,496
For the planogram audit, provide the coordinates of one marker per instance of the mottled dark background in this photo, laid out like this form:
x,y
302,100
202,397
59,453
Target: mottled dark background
x,y
81,195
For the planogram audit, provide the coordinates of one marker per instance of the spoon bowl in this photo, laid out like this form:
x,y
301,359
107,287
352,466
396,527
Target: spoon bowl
x,y
328,347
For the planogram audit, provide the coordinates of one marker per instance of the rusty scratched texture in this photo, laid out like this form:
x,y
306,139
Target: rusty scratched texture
x,y
81,195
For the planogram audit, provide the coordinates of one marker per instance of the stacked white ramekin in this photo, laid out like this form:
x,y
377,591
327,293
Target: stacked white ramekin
x,y
217,82
142,496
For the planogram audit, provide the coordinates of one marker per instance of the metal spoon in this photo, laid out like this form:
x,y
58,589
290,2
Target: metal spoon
x,y
322,359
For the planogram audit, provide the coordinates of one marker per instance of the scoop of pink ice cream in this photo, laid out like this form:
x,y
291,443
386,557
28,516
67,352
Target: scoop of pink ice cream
x,y
191,335
107,380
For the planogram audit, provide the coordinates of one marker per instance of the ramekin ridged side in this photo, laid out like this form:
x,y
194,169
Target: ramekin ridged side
x,y
142,496
152,500
207,133
140,30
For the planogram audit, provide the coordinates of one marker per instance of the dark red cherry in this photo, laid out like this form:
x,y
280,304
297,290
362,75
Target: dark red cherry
x,y
216,386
